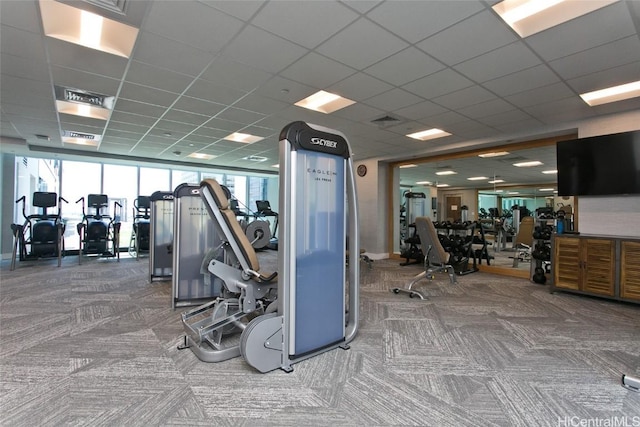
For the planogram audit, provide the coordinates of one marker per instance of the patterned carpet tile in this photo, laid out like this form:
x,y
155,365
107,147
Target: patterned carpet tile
x,y
96,344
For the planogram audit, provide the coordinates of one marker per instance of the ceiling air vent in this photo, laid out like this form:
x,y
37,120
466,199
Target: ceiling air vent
x,y
386,121
80,96
117,6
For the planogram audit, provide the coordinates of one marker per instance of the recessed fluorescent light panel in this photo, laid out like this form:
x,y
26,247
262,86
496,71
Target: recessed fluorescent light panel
x,y
528,17
496,181
493,154
426,135
550,172
477,178
324,102
408,166
78,26
447,172
612,94
201,156
424,183
546,189
528,164
243,137
81,138
442,185
276,166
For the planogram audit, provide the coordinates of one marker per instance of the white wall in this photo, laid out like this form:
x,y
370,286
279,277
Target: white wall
x,y
372,206
615,215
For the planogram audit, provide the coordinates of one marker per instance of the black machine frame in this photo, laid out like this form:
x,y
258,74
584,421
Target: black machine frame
x,y
99,234
40,235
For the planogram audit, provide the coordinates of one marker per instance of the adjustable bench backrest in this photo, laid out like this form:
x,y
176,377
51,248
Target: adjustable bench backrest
x,y
429,237
217,204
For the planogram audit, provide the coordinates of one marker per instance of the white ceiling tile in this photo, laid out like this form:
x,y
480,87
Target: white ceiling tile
x,y
206,136
361,44
203,89
17,85
519,126
404,67
18,42
417,20
260,104
226,72
134,92
220,124
505,117
362,6
606,78
26,68
568,109
594,29
393,100
500,62
131,118
483,109
185,117
262,50
140,108
160,78
540,95
24,17
599,58
467,96
359,112
359,87
521,81
437,84
317,71
293,23
243,10
198,106
240,116
464,36
170,18
165,53
420,110
443,120
284,90
177,129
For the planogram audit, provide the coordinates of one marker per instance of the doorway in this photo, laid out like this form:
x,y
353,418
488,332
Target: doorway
x,y
453,208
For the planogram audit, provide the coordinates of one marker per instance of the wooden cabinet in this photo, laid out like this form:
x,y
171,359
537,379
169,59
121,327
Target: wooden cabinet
x,y
597,265
630,270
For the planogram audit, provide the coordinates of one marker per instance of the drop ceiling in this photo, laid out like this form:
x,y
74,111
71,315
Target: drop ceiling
x,y
201,70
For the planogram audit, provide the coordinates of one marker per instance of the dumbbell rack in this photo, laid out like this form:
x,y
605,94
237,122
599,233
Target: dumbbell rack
x,y
535,263
461,236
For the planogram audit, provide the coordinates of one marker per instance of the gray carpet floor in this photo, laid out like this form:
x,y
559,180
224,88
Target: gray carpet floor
x,y
96,345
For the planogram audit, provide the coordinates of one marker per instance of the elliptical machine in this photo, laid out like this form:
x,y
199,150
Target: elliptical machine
x,y
41,235
99,233
139,242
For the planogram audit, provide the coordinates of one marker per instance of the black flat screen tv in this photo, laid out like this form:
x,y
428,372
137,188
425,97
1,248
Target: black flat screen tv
x,y
599,165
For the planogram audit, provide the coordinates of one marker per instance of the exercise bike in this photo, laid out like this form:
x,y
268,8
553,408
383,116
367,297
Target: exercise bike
x,y
99,233
139,242
41,235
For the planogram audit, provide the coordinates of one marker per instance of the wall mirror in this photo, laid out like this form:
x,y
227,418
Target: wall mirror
x,y
487,186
